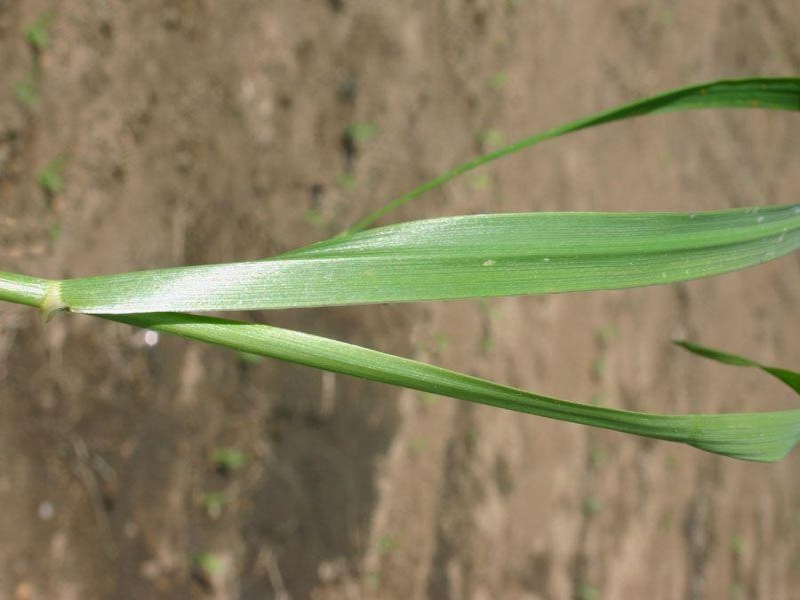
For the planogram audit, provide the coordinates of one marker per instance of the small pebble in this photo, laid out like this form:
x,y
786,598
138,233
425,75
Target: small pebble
x,y
46,510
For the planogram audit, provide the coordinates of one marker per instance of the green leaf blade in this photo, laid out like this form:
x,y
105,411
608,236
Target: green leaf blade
x,y
764,437
461,257
790,378
767,93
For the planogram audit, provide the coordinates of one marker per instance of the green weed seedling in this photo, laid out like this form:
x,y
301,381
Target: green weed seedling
x,y
598,457
26,91
37,33
598,367
592,506
481,181
206,568
373,580
473,256
737,545
418,444
587,592
498,80
315,218
228,459
213,503
386,544
736,591
347,181
605,335
492,138
50,179
362,132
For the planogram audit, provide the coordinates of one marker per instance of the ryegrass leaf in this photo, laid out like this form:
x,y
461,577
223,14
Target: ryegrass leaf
x,y
461,257
476,256
765,436
790,378
767,93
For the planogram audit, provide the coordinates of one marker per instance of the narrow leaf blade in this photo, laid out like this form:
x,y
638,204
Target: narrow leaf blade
x,y
765,437
790,378
766,93
461,257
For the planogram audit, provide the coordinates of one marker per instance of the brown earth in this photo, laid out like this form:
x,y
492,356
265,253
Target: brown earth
x,y
194,131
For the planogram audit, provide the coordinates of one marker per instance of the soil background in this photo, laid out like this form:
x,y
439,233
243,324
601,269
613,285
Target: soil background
x,y
188,131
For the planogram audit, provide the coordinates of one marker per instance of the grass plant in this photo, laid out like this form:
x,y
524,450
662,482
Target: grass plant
x,y
476,256
50,177
25,91
37,34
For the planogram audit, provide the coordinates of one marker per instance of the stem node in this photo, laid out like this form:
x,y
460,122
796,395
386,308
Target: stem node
x,y
52,302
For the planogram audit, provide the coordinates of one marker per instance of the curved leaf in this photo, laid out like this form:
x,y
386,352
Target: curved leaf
x,y
461,257
790,378
766,436
768,93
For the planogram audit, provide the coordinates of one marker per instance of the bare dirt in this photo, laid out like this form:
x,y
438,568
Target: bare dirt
x,y
192,131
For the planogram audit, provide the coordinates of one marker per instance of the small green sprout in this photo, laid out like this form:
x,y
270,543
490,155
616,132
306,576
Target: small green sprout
x,y
373,580
598,457
480,181
209,562
315,218
418,444
485,344
37,33
50,179
606,335
737,545
492,138
386,543
53,232
498,80
442,340
362,132
592,506
667,520
347,181
25,91
666,16
229,459
599,367
587,592
472,437
736,591
205,568
486,308
213,503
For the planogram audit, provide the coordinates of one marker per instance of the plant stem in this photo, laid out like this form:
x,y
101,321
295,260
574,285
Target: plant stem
x,y
23,289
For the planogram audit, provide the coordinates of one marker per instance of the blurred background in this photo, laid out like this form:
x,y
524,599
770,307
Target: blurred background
x,y
149,134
